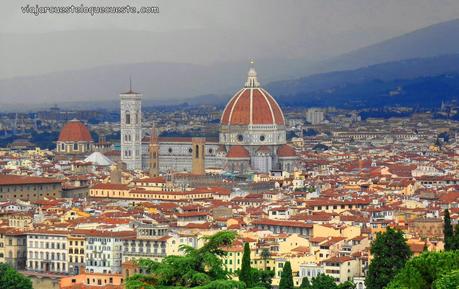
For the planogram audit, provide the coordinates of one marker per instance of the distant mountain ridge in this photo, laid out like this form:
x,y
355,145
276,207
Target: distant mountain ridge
x,y
423,53
426,91
416,82
430,41
404,69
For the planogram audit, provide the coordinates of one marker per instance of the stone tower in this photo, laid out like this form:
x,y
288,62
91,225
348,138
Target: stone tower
x,y
116,173
198,159
154,153
131,129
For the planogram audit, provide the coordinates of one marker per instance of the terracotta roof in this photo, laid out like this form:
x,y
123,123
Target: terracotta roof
x,y
24,180
270,222
75,130
416,247
238,152
191,214
341,259
109,186
286,151
263,149
302,249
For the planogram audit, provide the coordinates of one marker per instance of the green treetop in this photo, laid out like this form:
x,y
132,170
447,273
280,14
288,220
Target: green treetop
x,y
11,279
286,281
390,252
428,270
447,231
245,274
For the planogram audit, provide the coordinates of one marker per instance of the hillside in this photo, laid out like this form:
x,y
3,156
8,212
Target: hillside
x,y
431,41
423,82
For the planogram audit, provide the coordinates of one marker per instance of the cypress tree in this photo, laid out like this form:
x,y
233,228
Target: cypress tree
x,y
454,243
390,253
447,231
245,274
305,284
286,281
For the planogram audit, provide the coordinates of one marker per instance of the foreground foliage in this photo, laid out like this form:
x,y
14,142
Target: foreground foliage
x,y
438,270
448,234
11,279
198,269
323,281
390,252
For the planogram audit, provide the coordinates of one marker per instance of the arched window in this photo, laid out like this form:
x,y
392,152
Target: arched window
x,y
128,117
197,151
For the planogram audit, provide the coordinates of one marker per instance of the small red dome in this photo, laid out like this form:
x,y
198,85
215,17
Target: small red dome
x,y
238,152
75,131
286,151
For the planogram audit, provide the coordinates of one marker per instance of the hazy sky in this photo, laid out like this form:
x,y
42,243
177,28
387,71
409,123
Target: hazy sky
x,y
204,32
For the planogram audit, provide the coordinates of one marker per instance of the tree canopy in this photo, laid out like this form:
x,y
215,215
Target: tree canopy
x,y
323,281
198,269
428,270
390,252
11,279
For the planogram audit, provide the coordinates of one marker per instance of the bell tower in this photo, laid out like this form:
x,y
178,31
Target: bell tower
x,y
153,151
131,129
198,159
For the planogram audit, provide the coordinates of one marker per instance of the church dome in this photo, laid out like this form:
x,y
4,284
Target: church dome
x,y
75,131
252,105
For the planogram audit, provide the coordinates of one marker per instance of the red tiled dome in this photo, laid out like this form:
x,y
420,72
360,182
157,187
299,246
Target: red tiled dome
x,y
238,152
286,151
75,131
252,105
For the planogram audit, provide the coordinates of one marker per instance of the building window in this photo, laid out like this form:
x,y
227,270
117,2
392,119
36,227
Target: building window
x,y
262,138
128,117
240,137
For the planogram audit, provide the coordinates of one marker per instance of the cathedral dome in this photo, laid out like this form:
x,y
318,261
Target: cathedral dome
x,y
75,131
252,105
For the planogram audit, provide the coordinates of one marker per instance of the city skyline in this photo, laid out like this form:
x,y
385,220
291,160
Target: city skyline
x,y
229,144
